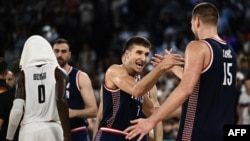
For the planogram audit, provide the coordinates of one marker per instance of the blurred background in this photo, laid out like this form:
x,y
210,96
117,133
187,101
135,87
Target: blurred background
x,y
97,30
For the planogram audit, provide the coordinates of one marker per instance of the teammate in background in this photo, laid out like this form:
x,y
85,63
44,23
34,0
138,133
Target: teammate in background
x,y
40,96
6,98
124,94
207,88
80,94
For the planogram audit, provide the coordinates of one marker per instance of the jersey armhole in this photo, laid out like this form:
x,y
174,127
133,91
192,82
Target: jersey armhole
x,y
211,57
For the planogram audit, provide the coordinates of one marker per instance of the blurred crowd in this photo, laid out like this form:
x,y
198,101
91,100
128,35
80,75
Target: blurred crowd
x,y
97,30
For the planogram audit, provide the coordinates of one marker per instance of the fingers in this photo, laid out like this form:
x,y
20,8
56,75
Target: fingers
x,y
134,121
132,126
168,51
132,134
127,130
140,138
157,58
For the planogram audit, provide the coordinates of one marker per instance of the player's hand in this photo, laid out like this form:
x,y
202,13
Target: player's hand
x,y
140,128
171,60
157,58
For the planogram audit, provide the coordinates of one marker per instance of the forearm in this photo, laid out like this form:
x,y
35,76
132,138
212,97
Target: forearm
x,y
97,121
173,104
63,114
14,118
147,106
83,113
178,71
158,132
148,81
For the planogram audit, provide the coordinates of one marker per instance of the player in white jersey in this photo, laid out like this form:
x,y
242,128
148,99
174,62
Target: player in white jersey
x,y
40,96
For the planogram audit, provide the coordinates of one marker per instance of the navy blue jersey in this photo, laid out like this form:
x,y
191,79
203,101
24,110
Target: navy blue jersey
x,y
211,105
74,98
119,108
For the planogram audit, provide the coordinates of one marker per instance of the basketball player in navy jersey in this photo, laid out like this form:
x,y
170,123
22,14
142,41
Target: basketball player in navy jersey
x,y
125,94
157,134
80,94
207,88
40,96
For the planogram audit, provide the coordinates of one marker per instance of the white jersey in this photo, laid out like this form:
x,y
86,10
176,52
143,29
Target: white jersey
x,y
40,102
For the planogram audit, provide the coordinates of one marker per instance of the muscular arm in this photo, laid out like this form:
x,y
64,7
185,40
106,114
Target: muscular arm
x,y
61,82
197,56
118,77
88,96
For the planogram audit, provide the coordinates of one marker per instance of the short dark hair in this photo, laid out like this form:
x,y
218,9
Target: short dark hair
x,y
3,65
138,40
62,41
207,12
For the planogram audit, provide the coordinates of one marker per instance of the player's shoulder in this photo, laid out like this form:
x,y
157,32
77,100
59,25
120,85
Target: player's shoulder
x,y
115,69
197,45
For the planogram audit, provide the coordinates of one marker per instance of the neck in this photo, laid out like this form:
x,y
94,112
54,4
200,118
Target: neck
x,y
67,67
208,32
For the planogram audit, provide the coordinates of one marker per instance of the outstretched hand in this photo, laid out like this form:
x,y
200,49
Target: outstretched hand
x,y
157,58
140,128
168,60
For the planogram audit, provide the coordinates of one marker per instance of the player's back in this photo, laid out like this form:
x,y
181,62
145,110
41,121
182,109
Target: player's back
x,y
40,102
211,105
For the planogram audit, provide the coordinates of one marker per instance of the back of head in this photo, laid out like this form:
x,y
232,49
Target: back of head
x,y
207,12
3,66
136,40
37,51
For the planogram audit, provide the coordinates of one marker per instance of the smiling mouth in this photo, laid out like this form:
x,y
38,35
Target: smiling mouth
x,y
139,65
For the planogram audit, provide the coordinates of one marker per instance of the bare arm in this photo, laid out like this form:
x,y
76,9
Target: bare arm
x,y
61,82
196,58
147,106
117,77
158,129
99,115
88,96
17,108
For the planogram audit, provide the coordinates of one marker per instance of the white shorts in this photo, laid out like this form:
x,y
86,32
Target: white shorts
x,y
41,131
